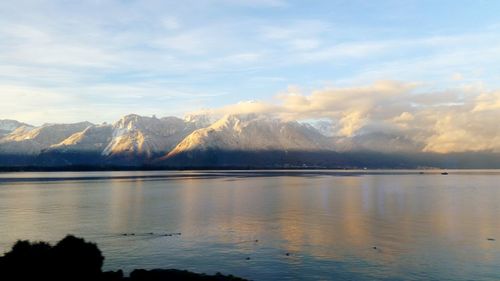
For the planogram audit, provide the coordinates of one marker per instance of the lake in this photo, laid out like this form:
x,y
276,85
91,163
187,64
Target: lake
x,y
268,225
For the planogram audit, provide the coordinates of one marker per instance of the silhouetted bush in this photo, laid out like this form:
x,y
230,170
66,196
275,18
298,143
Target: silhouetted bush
x,y
73,258
70,259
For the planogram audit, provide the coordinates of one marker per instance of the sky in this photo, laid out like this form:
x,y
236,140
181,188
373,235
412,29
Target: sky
x,y
363,64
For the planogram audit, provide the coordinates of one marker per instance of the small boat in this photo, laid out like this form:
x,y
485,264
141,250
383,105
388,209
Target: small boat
x,y
444,173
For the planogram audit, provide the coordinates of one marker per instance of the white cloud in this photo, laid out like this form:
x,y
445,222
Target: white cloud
x,y
305,44
171,23
257,3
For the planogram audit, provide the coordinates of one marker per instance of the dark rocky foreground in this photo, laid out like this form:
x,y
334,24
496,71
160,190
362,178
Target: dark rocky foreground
x,y
73,258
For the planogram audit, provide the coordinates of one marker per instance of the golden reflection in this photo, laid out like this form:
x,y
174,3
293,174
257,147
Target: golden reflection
x,y
341,215
222,204
127,198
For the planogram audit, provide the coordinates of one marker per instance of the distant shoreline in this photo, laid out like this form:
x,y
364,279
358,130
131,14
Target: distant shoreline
x,y
213,174
236,168
215,168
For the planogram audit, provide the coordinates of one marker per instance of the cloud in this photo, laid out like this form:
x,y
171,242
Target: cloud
x,y
305,44
462,130
257,3
96,103
171,23
487,102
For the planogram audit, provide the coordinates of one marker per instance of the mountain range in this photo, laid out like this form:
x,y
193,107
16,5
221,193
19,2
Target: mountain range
x,y
200,141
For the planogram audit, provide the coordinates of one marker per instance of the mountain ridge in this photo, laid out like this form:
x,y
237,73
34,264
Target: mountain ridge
x,y
198,141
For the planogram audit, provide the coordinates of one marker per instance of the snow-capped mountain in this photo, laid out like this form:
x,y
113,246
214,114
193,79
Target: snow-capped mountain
x,y
254,133
8,126
27,140
92,139
135,135
325,127
131,136
200,120
238,140
147,136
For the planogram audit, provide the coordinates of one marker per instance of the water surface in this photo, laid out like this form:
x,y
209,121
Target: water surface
x,y
340,225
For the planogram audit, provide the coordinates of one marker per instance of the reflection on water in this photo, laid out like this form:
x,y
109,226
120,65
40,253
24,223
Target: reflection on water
x,y
316,226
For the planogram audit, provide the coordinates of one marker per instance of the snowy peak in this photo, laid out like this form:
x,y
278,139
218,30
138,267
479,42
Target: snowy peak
x,y
250,132
8,126
91,139
146,136
325,127
49,134
32,140
199,120
134,122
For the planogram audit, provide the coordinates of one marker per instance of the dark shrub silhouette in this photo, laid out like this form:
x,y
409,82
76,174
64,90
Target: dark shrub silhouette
x,y
75,256
71,259
75,259
26,261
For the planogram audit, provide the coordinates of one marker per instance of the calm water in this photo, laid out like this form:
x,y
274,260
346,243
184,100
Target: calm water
x,y
425,227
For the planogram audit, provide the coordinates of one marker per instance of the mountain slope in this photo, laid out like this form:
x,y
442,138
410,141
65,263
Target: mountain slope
x,y
7,126
140,136
92,139
249,135
253,133
234,141
32,140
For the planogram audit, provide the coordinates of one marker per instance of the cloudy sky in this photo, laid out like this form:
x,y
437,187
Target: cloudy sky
x,y
360,63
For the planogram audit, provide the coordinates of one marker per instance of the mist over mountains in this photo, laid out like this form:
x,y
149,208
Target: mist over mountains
x,y
202,141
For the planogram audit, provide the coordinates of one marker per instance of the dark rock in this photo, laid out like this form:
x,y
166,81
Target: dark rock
x,y
112,275
174,274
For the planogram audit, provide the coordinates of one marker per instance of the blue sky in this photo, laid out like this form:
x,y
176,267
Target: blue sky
x,y
64,61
